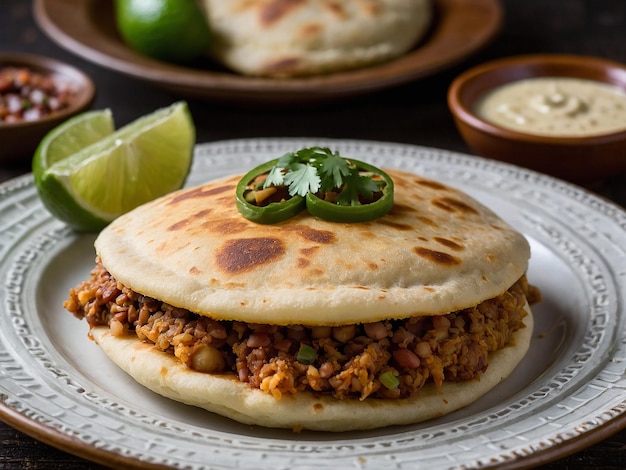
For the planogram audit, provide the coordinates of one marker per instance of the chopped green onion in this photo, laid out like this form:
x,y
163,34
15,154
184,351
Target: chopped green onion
x,y
306,354
389,380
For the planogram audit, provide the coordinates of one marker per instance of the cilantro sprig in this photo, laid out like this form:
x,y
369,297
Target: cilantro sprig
x,y
319,169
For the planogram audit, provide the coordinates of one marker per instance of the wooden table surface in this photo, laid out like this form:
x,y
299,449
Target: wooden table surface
x,y
414,113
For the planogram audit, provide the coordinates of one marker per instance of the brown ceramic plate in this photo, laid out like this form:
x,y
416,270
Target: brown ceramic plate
x,y
87,28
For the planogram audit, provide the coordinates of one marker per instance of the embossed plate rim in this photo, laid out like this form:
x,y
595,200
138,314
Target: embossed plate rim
x,y
31,243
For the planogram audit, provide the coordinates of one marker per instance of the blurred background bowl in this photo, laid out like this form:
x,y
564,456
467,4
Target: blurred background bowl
x,y
19,140
583,160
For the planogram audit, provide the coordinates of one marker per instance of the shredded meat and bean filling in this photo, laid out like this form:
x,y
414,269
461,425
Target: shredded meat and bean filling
x,y
345,361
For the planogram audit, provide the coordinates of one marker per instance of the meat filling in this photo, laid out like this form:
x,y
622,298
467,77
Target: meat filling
x,y
386,359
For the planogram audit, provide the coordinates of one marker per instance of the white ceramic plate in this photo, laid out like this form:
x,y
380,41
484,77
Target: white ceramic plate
x,y
568,392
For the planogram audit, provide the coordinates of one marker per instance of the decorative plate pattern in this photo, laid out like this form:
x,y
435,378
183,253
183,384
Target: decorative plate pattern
x,y
567,393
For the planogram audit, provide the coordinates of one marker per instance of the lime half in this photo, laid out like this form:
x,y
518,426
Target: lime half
x,y
88,177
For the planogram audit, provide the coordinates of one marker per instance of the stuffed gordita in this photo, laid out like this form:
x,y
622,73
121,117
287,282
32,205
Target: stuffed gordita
x,y
351,300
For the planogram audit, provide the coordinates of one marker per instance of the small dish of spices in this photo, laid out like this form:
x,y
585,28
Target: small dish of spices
x,y
36,94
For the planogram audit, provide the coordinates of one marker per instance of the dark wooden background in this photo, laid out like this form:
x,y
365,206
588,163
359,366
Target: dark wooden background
x,y
415,113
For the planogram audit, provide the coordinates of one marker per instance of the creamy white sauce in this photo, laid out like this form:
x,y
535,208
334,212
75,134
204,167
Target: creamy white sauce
x,y
556,106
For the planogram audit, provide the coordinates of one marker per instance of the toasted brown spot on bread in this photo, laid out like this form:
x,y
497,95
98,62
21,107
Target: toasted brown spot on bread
x,y
449,243
335,8
451,204
427,221
304,261
310,30
432,184
274,10
401,208
201,214
309,251
178,225
244,254
227,226
186,221
438,257
200,192
396,225
311,234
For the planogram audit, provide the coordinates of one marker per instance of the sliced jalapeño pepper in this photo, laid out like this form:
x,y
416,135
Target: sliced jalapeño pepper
x,y
271,213
318,172
355,213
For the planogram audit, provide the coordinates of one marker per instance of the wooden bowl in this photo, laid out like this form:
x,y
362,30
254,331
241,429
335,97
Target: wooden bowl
x,y
19,140
583,160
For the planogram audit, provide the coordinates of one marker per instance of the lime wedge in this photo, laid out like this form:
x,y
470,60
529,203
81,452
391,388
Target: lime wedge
x,y
87,174
73,135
